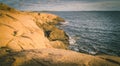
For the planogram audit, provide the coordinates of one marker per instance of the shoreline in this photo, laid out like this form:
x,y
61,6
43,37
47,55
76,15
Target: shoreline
x,y
92,39
29,38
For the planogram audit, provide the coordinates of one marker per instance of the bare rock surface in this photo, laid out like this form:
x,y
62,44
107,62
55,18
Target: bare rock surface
x,y
23,30
32,39
52,57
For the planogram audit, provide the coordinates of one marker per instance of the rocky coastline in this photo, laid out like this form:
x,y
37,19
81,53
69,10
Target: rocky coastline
x,y
32,39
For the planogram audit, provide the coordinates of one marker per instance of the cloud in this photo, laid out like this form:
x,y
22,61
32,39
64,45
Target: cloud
x,y
106,5
78,6
65,5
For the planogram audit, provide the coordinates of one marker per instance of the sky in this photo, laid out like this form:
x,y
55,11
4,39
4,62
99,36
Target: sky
x,y
64,5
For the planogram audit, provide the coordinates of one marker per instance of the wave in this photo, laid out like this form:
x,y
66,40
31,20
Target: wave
x,y
72,41
63,23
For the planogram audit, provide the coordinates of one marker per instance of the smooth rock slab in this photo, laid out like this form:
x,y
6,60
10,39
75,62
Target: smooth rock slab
x,y
52,57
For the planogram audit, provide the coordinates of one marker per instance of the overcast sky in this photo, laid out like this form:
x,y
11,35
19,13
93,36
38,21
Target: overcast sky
x,y
65,5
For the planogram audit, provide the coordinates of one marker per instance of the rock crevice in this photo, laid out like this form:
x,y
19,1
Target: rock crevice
x,y
32,39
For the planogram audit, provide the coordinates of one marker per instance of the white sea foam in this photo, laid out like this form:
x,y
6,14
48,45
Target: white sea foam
x,y
73,45
72,41
64,23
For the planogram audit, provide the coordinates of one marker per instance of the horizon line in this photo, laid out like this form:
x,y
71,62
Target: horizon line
x,y
63,10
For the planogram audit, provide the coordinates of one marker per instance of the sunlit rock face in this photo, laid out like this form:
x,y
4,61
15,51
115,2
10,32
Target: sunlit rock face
x,y
53,57
23,30
31,39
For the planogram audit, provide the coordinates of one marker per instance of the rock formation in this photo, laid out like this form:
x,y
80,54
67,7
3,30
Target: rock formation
x,y
32,39
27,30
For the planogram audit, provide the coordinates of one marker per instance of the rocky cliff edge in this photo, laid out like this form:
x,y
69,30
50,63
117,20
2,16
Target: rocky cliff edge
x,y
32,39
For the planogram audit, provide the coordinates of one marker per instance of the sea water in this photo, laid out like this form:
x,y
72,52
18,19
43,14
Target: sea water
x,y
92,32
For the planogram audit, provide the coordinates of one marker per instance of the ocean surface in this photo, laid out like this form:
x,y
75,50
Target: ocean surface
x,y
92,32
